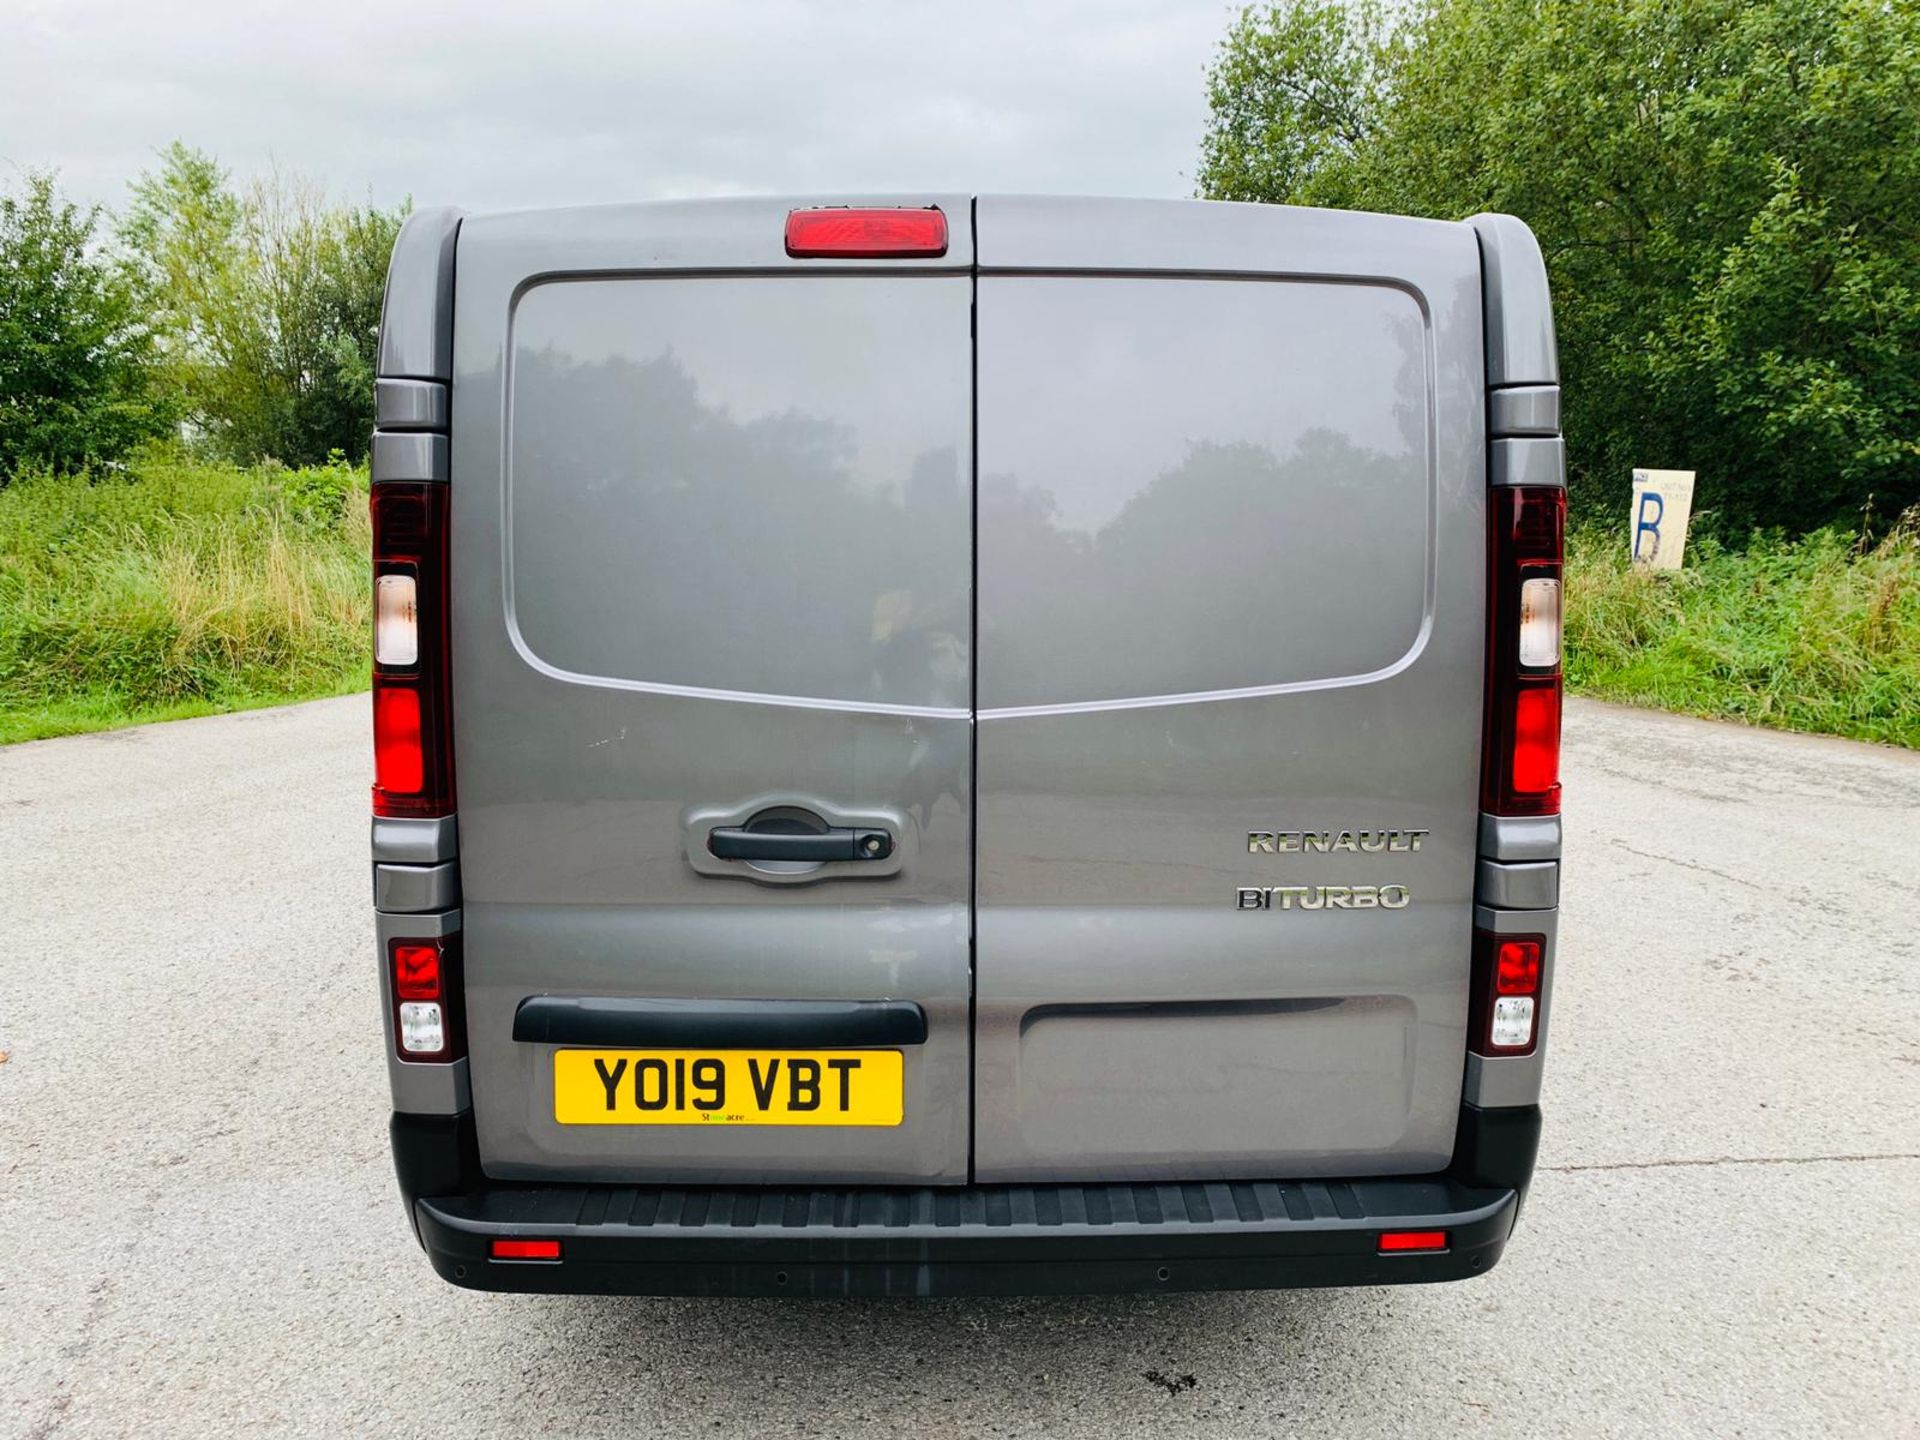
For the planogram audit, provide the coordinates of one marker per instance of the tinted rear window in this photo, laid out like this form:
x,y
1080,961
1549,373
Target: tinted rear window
x,y
751,485
1198,485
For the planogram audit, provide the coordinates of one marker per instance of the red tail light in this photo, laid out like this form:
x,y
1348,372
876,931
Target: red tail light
x,y
523,1250
399,757
1520,774
846,234
428,1021
1505,1007
412,707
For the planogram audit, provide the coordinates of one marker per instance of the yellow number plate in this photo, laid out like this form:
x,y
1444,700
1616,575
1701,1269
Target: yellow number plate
x,y
728,1087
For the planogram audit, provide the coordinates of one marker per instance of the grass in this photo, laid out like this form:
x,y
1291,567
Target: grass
x,y
175,588
1818,633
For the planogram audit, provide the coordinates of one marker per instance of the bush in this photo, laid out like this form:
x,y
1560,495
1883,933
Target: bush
x,y
1821,633
75,357
267,304
178,588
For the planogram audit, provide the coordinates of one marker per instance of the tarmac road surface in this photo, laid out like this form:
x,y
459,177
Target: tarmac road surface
x,y
199,1233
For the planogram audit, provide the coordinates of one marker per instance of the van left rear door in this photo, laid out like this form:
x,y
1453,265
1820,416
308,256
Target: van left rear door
x,y
712,572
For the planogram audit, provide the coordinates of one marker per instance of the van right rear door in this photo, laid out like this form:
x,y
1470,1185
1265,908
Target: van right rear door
x,y
1230,640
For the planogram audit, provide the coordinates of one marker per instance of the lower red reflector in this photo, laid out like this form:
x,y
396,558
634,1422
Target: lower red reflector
x,y
1403,1242
524,1249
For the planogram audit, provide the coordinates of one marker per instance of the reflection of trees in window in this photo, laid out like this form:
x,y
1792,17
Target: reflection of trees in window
x,y
1234,568
736,554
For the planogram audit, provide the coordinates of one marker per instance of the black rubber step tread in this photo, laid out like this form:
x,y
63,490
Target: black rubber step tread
x,y
1213,1206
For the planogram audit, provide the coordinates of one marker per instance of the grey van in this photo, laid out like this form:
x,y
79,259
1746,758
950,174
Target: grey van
x,y
951,744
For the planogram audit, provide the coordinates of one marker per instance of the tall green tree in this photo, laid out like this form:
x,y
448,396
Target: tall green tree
x,y
183,239
1727,193
76,385
268,304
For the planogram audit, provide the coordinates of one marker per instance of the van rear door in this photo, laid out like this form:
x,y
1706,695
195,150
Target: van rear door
x,y
712,598
1230,639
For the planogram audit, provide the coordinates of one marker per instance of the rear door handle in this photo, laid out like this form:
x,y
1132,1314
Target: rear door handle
x,y
736,843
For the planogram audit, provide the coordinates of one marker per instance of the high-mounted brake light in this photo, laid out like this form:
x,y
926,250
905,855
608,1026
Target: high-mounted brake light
x,y
1520,772
1506,992
412,707
427,1021
847,234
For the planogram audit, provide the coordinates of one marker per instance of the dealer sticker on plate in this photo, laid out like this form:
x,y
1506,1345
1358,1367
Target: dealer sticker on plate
x,y
728,1087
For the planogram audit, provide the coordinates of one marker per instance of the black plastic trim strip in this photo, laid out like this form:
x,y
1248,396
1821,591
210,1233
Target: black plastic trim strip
x,y
1497,1146
718,1024
434,1155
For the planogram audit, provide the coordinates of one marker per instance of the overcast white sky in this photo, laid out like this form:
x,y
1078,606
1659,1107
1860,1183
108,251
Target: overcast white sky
x,y
493,105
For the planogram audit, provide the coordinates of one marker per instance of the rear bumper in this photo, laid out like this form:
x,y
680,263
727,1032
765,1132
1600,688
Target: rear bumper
x,y
971,1240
